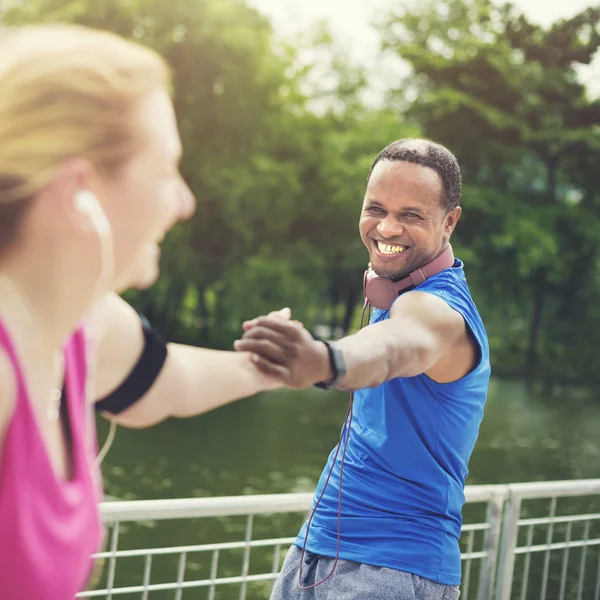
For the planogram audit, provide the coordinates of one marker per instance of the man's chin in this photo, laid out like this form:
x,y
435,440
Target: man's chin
x,y
393,277
387,273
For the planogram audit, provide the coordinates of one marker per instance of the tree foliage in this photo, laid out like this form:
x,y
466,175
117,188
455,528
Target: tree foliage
x,y
504,95
277,148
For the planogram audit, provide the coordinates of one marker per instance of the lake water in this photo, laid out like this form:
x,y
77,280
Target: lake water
x,y
278,442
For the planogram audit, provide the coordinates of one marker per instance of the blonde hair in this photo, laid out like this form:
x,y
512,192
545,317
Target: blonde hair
x,y
67,91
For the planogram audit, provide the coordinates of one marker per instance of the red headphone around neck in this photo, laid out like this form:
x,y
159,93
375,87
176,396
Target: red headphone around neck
x,y
381,292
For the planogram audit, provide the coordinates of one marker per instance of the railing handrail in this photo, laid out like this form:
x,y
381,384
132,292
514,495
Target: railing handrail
x,y
221,506
497,545
216,506
548,489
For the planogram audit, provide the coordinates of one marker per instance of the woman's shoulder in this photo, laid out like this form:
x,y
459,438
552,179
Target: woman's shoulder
x,y
8,391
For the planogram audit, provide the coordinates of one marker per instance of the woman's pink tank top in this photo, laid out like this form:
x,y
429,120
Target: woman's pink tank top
x,y
49,527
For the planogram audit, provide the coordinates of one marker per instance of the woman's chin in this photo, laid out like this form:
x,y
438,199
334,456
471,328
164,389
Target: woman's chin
x,y
145,281
147,270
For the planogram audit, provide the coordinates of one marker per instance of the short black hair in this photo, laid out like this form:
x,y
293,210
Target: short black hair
x,y
427,154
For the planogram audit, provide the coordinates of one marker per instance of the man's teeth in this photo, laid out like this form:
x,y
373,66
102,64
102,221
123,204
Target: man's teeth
x,y
387,249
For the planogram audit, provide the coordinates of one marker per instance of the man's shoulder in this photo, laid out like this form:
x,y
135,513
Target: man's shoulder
x,y
450,287
449,284
453,276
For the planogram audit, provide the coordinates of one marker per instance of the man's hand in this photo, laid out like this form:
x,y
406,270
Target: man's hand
x,y
286,351
284,313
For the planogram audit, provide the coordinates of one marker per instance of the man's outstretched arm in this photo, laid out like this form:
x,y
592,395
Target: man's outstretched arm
x,y
422,335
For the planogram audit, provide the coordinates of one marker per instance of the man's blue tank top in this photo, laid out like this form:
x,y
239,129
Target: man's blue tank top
x,y
406,462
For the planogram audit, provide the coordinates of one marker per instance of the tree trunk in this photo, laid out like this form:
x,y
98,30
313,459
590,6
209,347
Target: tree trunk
x,y
570,303
349,306
333,322
551,178
156,317
539,283
204,318
334,300
539,296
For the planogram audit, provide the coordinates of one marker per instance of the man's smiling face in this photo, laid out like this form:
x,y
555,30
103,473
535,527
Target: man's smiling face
x,y
404,223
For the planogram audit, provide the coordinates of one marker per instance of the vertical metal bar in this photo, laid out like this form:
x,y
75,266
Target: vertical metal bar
x,y
213,574
147,570
597,592
180,575
507,548
525,582
246,563
491,543
467,577
548,542
563,575
586,536
276,562
112,564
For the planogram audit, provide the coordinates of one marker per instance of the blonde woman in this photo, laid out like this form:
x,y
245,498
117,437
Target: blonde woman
x,y
89,185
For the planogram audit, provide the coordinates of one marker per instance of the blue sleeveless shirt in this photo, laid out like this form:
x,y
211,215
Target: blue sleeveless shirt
x,y
406,462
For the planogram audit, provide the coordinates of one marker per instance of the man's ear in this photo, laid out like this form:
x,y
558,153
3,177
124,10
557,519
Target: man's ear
x,y
451,220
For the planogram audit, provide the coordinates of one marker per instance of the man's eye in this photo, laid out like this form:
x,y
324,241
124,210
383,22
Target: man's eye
x,y
375,209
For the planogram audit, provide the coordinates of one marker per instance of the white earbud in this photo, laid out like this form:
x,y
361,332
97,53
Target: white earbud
x,y
86,203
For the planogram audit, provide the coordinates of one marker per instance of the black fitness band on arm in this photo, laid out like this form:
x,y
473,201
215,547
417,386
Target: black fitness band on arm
x,y
142,376
337,363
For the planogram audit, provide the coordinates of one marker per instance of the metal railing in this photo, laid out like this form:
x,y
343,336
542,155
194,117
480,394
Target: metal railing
x,y
518,542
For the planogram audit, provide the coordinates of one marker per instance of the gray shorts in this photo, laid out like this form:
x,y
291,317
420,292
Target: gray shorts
x,y
353,581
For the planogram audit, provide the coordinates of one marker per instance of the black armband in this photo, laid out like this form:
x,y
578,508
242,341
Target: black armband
x,y
142,376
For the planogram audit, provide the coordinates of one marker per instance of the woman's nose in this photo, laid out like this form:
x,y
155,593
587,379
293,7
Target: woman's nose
x,y
187,202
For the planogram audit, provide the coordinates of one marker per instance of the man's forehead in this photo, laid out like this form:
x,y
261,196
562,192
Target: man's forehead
x,y
402,172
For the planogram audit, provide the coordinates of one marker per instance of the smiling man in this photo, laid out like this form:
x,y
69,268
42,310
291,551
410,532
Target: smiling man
x,y
387,510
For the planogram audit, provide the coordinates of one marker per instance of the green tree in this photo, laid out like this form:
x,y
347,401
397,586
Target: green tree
x,y
277,148
239,116
503,93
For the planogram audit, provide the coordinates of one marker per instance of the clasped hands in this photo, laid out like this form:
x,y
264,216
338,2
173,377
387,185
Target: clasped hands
x,y
283,350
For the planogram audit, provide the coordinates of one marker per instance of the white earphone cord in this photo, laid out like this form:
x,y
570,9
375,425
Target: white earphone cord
x,y
110,438
87,204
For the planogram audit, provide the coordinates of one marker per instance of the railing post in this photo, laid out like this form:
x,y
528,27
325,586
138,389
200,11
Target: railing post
x,y
508,545
246,563
491,544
